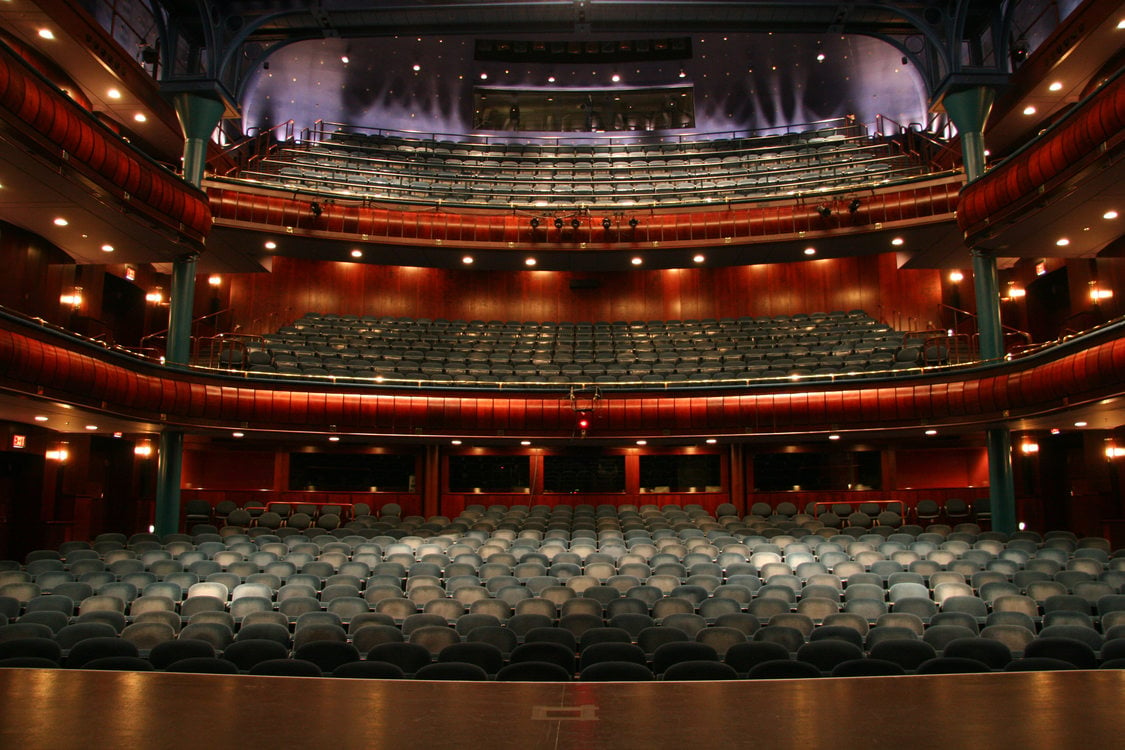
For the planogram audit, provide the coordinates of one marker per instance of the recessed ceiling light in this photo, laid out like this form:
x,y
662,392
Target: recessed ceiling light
x,y
710,441
642,442
334,438
140,117
467,260
1062,242
46,34
1121,24
417,67
1080,423
1110,214
897,241
699,258
931,432
529,262
113,94
454,442
525,442
40,418
1029,109
484,76
357,253
238,434
833,437
91,427
615,78
271,245
61,222
1055,86
345,59
810,251
636,261
107,248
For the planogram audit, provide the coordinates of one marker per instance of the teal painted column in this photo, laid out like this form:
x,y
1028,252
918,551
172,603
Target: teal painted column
x,y
168,473
199,115
969,108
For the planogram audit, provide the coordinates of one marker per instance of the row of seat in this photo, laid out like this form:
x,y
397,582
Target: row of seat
x,y
491,649
388,167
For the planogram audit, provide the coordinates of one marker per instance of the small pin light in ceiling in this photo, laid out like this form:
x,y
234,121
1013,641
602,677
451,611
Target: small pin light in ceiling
x,y
699,258
710,441
1030,109
898,241
454,442
810,251
525,442
140,117
238,434
550,79
107,248
61,222
41,418
416,67
636,261
484,76
1055,86
113,94
467,260
270,245
46,34
615,78
682,73
1110,215
529,262
931,433
345,59
357,253
334,439
819,53
642,442
833,437
1062,242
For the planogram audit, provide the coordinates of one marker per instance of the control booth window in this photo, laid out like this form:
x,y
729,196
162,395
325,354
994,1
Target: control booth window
x,y
816,472
489,474
580,473
687,473
352,472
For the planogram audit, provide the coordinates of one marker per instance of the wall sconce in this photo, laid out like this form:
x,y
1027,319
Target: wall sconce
x,y
143,450
215,279
60,454
956,277
1114,452
1028,447
1097,295
156,296
74,299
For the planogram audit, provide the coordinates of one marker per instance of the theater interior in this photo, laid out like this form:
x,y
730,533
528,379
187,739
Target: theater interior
x,y
578,371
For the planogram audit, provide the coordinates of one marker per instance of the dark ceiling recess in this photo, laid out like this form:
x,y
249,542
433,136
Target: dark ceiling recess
x,y
622,50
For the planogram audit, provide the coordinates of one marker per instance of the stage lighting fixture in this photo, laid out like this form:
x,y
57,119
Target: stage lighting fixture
x,y
316,208
558,223
633,223
824,211
854,205
535,222
606,223
575,223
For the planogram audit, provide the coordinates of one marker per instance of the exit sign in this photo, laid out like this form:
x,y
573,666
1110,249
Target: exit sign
x,y
19,441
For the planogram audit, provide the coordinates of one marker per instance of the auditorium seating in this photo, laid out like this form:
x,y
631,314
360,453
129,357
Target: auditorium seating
x,y
675,591
564,174
619,354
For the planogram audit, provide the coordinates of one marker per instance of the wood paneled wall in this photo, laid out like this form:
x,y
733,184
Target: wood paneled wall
x,y
905,298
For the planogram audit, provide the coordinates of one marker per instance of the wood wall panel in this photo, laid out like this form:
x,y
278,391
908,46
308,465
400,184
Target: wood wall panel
x,y
905,298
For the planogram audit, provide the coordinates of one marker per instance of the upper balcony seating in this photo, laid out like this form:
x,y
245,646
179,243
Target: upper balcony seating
x,y
561,175
659,353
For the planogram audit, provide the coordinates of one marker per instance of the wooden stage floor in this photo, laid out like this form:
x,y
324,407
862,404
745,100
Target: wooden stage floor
x,y
89,709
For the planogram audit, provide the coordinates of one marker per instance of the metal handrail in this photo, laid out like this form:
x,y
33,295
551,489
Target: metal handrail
x,y
156,335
